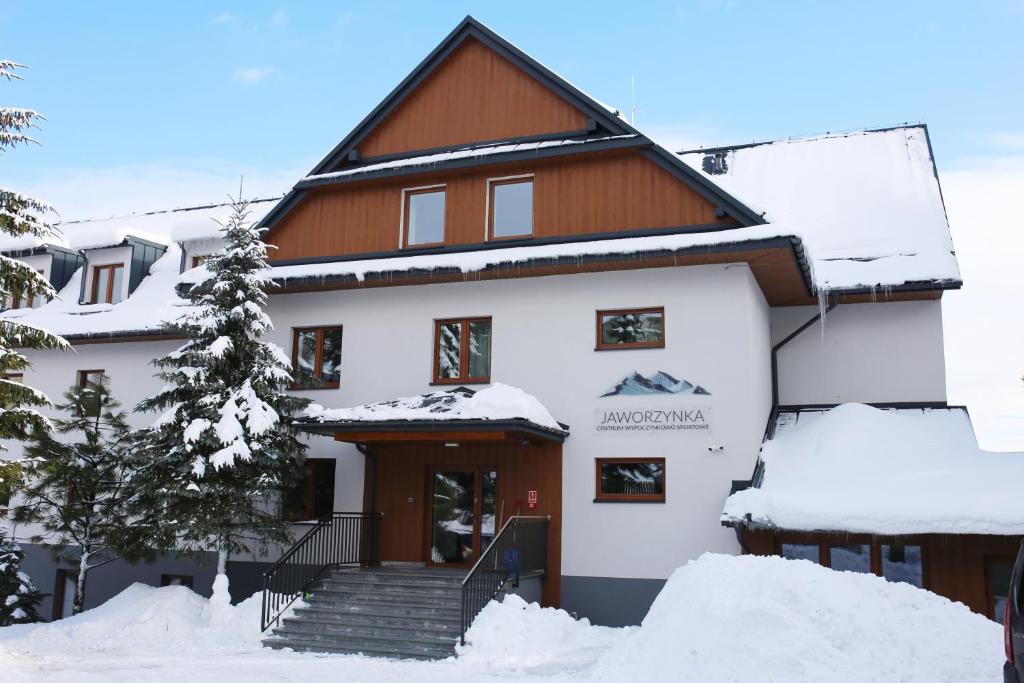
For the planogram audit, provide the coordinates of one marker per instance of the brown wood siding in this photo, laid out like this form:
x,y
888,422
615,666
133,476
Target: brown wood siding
x,y
403,493
572,196
475,95
954,565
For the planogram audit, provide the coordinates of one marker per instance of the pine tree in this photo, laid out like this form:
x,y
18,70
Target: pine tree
x,y
19,599
75,487
20,215
224,447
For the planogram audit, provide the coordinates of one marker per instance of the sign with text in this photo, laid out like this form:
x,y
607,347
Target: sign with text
x,y
651,420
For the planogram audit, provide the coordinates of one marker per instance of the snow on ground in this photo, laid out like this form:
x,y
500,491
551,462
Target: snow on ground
x,y
719,618
860,469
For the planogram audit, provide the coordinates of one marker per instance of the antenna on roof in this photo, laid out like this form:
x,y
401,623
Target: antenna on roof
x,y
632,113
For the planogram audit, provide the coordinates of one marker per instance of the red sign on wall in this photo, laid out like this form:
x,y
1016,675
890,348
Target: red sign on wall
x,y
531,499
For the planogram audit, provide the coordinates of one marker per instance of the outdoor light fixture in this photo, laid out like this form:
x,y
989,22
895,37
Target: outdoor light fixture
x,y
451,444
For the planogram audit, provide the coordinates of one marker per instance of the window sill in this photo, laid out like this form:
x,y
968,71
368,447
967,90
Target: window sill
x,y
320,388
459,382
629,500
629,347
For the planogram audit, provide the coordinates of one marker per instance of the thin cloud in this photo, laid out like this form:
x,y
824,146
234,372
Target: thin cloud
x,y
1009,141
279,18
250,75
223,18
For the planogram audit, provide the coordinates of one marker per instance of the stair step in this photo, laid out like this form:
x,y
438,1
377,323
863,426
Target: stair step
x,y
385,608
370,649
347,632
400,597
439,622
399,581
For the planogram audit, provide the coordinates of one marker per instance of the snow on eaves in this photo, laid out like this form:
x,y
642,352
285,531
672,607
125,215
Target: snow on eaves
x,y
860,469
867,205
469,152
496,402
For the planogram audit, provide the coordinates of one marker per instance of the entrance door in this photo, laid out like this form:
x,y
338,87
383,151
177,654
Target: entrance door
x,y
462,514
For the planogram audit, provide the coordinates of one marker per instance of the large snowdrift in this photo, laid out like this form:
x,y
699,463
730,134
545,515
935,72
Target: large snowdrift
x,y
860,469
719,618
724,618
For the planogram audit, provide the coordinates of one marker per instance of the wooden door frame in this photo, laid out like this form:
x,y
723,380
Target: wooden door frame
x,y
428,536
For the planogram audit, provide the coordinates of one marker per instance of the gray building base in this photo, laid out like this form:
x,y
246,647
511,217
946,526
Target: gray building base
x,y
110,579
609,601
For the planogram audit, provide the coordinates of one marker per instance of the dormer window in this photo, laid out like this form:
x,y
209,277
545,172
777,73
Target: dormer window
x,y
423,216
107,284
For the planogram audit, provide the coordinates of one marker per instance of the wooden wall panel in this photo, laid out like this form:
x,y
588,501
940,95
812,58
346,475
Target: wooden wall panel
x,y
402,473
475,95
583,194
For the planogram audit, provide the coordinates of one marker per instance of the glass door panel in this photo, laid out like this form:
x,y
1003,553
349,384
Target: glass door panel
x,y
452,518
488,511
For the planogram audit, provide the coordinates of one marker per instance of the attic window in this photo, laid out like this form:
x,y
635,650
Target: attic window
x,y
107,282
715,164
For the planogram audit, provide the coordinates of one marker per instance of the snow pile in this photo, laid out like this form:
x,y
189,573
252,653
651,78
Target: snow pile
x,y
519,636
724,618
496,402
867,205
860,469
144,619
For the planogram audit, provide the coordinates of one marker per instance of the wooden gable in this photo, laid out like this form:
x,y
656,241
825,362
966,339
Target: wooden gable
x,y
474,95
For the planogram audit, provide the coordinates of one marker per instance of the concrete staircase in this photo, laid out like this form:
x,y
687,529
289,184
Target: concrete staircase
x,y
404,612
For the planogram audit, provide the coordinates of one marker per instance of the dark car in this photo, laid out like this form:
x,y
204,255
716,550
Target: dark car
x,y
1013,623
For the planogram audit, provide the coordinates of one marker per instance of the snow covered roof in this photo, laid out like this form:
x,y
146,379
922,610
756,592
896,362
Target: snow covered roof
x,y
154,301
860,469
498,402
867,205
419,162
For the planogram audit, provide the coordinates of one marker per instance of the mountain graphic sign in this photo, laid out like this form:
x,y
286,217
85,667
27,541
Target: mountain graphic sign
x,y
659,383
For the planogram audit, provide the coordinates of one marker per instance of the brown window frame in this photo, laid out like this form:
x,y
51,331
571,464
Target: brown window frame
x,y
318,358
407,193
186,580
511,180
199,259
990,597
601,497
108,297
600,345
311,474
827,541
83,376
463,377
58,591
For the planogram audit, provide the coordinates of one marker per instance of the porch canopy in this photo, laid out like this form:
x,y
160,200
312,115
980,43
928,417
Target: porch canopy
x,y
499,413
859,469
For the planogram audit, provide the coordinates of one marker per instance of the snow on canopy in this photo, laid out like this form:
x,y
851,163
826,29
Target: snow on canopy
x,y
867,205
496,402
860,469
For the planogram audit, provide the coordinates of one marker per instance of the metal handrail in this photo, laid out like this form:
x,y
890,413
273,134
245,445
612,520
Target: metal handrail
x,y
344,538
518,552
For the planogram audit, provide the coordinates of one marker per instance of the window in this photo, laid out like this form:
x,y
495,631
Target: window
x,y
88,379
510,208
312,497
462,350
316,357
636,328
802,551
200,260
176,580
902,563
850,558
16,299
423,216
998,574
64,593
630,479
107,284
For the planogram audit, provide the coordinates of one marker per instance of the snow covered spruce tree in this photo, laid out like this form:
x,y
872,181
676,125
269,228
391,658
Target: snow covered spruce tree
x,y
75,486
20,215
19,598
224,448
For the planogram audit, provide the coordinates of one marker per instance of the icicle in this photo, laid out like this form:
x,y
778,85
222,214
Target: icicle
x,y
823,295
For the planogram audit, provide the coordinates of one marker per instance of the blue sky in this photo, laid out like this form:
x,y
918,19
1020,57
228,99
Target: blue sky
x,y
152,105
271,84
